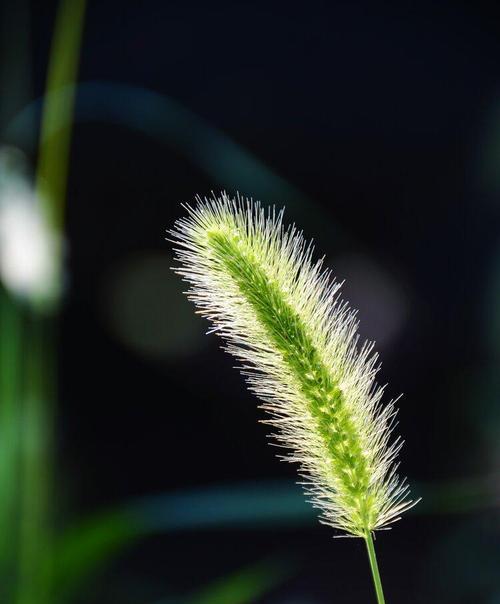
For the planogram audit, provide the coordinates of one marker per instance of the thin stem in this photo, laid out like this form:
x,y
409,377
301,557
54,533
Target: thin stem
x,y
374,567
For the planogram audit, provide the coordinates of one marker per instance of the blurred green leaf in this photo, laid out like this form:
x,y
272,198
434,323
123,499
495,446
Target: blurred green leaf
x,y
159,116
266,503
243,586
10,420
459,496
57,111
86,547
89,545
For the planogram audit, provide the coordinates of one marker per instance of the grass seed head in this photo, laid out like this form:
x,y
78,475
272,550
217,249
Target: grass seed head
x,y
279,312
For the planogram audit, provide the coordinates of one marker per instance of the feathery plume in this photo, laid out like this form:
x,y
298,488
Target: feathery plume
x,y
279,312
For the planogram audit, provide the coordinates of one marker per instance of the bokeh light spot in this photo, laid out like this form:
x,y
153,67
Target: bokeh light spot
x,y
381,300
146,310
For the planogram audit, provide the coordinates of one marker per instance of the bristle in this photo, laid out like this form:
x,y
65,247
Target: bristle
x,y
279,312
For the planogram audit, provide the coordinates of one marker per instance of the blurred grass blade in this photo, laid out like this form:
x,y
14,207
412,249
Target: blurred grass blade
x,y
10,381
244,586
162,118
267,503
460,496
55,134
36,499
87,546
82,550
35,541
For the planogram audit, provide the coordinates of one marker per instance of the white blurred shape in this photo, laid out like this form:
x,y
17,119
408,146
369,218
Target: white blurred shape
x,y
28,252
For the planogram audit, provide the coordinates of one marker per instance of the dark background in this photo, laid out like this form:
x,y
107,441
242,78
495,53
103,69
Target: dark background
x,y
378,126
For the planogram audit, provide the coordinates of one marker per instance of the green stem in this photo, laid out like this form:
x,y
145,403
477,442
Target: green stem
x,y
36,497
374,567
11,351
56,126
55,133
37,460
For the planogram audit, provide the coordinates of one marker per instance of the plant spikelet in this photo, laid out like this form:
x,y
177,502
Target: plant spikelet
x,y
279,312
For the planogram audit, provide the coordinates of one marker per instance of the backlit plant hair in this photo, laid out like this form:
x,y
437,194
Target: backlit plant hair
x,y
279,312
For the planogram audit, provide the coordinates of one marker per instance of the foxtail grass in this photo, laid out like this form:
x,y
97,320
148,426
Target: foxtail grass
x,y
280,313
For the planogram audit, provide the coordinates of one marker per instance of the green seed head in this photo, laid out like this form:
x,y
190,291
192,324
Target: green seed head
x,y
279,313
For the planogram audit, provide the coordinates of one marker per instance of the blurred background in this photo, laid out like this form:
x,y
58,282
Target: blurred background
x,y
133,467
